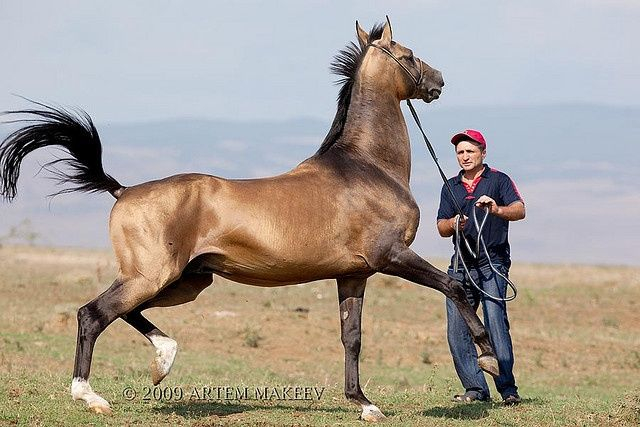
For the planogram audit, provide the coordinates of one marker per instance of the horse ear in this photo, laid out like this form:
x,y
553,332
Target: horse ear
x,y
363,37
386,33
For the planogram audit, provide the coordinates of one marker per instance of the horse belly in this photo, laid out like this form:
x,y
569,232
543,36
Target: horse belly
x,y
263,269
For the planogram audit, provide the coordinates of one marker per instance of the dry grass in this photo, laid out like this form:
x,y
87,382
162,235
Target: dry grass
x,y
575,332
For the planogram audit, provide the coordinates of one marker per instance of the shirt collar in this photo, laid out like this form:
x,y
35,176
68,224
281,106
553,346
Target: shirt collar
x,y
485,173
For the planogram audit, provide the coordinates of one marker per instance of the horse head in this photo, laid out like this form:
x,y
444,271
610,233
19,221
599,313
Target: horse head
x,y
412,78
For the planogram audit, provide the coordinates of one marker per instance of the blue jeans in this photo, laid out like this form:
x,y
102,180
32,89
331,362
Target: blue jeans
x,y
463,351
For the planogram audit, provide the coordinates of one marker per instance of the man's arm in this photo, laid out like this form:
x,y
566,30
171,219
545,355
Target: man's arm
x,y
447,226
446,214
514,212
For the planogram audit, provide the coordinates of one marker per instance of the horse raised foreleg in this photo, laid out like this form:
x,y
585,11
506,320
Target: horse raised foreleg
x,y
93,318
183,290
403,262
351,297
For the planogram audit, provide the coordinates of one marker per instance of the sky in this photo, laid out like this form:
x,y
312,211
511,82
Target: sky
x,y
126,61
247,61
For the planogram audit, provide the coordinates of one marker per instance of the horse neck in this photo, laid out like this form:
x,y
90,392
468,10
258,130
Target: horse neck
x,y
375,131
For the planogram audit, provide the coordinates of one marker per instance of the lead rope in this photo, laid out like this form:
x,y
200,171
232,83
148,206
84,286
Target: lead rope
x,y
459,235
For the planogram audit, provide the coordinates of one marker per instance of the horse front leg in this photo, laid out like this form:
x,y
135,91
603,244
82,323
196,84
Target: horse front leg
x,y
351,297
403,262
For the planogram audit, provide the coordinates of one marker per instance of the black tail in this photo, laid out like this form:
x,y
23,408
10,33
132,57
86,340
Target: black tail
x,y
55,126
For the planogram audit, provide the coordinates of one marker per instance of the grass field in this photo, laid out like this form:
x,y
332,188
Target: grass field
x,y
575,332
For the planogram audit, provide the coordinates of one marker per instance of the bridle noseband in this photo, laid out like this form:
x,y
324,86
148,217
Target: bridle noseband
x,y
417,81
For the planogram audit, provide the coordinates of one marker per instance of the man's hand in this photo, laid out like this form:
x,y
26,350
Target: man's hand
x,y
454,222
447,226
487,202
514,212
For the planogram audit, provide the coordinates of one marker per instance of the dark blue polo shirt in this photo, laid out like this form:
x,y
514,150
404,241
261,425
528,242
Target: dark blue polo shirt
x,y
500,188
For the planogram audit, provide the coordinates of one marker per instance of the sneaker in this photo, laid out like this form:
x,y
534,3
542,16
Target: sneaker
x,y
512,399
470,396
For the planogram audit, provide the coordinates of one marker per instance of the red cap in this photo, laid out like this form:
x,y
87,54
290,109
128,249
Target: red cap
x,y
469,134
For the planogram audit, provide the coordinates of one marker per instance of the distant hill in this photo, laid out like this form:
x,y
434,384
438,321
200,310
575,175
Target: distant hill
x,y
574,165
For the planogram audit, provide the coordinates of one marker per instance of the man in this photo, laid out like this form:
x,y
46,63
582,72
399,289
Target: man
x,y
479,186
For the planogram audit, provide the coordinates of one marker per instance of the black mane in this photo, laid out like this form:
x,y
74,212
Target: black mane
x,y
346,64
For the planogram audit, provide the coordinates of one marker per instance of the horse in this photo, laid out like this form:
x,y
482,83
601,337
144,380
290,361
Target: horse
x,y
345,213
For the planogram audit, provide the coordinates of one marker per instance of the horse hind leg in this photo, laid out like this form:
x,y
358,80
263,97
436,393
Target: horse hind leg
x,y
93,318
183,290
166,347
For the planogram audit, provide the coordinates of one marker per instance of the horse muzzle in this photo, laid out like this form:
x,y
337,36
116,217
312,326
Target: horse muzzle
x,y
431,84
431,95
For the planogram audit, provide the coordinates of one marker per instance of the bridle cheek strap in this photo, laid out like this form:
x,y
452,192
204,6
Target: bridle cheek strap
x,y
415,80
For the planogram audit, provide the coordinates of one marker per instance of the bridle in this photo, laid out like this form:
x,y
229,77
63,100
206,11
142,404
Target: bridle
x,y
415,80
459,235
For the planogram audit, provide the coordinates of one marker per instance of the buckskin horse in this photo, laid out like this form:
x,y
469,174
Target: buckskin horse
x,y
345,213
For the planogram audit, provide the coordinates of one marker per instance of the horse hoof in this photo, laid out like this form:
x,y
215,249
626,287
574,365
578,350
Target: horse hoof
x,y
81,390
489,364
372,414
100,409
166,349
157,371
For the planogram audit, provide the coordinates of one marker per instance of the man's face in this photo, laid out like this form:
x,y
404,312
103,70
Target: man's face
x,y
470,156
